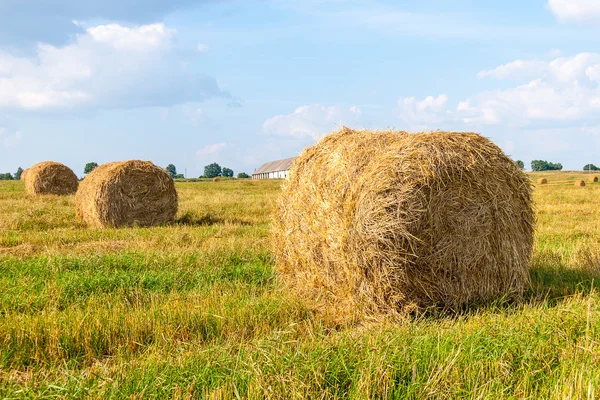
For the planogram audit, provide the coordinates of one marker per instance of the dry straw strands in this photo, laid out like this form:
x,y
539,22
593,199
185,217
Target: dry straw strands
x,y
593,179
542,181
580,183
128,193
385,222
24,174
50,177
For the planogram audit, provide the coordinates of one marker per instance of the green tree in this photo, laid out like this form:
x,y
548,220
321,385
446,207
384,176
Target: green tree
x,y
89,167
171,170
18,173
6,177
542,165
212,170
520,164
590,167
179,176
243,175
227,172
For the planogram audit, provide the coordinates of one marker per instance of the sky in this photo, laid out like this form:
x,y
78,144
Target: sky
x,y
191,82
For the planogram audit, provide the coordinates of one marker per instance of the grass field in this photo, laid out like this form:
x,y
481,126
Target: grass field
x,y
194,310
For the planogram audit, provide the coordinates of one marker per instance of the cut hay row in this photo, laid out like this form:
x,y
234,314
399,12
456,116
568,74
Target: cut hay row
x,y
128,193
386,222
50,177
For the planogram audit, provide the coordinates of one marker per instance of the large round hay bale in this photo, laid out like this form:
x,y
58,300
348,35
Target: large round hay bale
x,y
542,181
580,183
128,193
50,177
24,174
593,179
386,222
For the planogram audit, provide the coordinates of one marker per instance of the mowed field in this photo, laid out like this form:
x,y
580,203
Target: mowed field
x,y
194,310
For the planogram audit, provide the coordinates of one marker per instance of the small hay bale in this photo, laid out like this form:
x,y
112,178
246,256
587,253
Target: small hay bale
x,y
127,193
373,223
542,181
593,179
217,179
50,177
580,183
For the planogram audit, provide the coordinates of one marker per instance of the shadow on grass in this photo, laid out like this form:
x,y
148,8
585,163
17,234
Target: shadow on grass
x,y
554,283
191,219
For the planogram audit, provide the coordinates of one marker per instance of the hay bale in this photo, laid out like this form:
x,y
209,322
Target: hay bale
x,y
217,179
386,222
542,181
593,179
580,183
24,174
128,193
50,177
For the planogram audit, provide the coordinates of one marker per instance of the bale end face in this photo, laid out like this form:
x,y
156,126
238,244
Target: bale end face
x,y
50,177
382,222
128,193
580,183
542,181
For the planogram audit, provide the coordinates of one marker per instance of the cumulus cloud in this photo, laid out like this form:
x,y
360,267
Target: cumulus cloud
x,y
311,121
108,66
575,11
213,149
567,89
51,21
10,140
424,113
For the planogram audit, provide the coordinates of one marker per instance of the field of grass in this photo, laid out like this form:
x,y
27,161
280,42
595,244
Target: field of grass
x,y
194,310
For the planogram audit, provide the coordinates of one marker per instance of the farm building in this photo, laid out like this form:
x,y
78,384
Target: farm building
x,y
274,169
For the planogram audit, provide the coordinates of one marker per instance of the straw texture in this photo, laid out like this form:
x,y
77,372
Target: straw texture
x,y
373,223
50,177
128,193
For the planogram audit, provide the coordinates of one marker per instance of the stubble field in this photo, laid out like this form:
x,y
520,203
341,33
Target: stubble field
x,y
194,310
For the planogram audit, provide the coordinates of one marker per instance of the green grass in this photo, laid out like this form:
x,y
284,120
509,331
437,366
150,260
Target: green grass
x,y
194,310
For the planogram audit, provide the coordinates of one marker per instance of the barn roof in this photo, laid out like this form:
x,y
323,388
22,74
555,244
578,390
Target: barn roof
x,y
274,166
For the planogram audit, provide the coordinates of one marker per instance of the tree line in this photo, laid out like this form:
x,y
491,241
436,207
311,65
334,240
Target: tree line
x,y
210,171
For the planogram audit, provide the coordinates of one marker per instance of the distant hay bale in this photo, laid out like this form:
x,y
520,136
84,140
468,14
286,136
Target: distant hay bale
x,y
593,179
542,181
377,223
580,183
127,193
217,179
50,177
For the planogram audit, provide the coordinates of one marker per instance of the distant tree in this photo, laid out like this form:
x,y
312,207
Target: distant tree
x,y
227,172
212,170
243,175
171,170
6,177
18,173
541,165
89,167
590,167
179,176
520,164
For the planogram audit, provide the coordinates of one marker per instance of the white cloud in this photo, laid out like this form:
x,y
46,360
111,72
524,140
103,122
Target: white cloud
x,y
425,113
517,68
202,47
109,66
213,149
10,140
577,11
312,121
566,89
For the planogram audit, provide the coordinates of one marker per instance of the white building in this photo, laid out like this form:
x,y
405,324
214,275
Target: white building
x,y
274,169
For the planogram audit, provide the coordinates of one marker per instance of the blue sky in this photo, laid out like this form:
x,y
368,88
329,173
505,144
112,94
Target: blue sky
x,y
244,82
